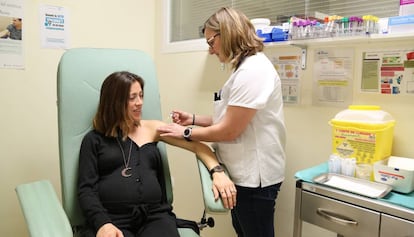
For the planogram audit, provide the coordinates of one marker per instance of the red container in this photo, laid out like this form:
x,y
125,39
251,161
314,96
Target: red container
x,y
410,56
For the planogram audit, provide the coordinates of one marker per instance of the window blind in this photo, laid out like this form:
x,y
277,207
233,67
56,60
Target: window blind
x,y
188,16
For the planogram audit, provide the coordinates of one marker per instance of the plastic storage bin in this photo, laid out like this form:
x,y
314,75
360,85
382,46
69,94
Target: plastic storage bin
x,y
279,34
263,28
397,172
364,132
265,34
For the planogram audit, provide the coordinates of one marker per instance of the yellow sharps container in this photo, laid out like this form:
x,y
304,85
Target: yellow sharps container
x,y
364,132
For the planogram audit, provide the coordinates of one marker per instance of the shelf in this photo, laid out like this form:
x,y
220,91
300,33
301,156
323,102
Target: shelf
x,y
374,38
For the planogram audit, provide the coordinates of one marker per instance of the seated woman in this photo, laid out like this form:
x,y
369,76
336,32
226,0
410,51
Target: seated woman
x,y
121,181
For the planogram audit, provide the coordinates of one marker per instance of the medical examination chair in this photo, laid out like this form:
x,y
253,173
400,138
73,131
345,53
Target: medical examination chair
x,y
80,75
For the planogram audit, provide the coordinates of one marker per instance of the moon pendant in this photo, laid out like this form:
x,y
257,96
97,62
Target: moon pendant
x,y
126,172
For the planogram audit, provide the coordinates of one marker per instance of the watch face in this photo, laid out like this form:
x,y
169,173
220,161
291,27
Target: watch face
x,y
187,132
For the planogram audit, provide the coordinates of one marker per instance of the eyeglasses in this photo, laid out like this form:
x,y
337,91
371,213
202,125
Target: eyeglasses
x,y
211,40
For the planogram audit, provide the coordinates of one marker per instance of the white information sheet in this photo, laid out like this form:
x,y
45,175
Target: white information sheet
x,y
54,28
11,34
288,67
332,76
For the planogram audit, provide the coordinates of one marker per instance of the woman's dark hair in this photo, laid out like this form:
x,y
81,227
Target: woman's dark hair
x,y
112,114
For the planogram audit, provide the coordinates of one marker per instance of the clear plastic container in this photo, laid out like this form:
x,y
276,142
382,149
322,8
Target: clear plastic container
x,y
364,114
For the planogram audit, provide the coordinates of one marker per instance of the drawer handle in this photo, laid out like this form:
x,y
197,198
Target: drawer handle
x,y
335,217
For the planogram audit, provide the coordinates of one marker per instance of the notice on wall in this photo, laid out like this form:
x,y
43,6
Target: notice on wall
x,y
388,72
54,28
11,34
288,68
332,73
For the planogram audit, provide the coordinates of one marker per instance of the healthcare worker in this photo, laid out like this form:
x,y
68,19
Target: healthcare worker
x,y
247,128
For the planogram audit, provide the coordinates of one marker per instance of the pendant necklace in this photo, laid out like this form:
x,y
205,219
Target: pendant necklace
x,y
126,172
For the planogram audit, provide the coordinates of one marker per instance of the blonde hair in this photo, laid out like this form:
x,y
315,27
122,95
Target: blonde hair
x,y
237,34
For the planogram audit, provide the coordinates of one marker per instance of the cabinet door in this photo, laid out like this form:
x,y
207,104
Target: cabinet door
x,y
392,226
340,217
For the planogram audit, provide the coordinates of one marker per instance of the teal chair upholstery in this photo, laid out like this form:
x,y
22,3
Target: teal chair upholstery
x,y
43,211
80,75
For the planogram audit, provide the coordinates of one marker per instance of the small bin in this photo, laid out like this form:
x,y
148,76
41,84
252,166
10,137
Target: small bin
x,y
263,28
279,34
364,132
265,34
389,171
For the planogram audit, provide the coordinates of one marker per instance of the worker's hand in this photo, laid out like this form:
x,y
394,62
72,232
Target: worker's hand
x,y
181,117
171,130
109,230
224,188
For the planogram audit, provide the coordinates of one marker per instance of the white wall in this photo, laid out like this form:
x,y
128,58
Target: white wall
x,y
28,139
189,79
309,135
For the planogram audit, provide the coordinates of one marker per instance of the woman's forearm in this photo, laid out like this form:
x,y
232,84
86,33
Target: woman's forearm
x,y
206,155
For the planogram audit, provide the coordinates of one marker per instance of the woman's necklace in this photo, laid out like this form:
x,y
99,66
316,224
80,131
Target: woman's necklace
x,y
126,172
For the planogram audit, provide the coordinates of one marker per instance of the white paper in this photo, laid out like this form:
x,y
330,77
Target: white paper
x,y
353,186
54,29
288,68
333,73
11,50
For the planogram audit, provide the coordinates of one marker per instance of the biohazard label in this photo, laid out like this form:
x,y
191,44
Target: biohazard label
x,y
345,149
358,144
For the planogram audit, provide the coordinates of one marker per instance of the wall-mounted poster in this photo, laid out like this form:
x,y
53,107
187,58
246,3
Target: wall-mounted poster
x,y
54,29
11,34
332,76
388,72
288,67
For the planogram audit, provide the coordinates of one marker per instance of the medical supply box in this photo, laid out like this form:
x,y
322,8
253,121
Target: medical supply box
x,y
401,24
397,172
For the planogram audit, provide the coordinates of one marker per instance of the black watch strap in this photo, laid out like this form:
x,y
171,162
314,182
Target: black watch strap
x,y
215,169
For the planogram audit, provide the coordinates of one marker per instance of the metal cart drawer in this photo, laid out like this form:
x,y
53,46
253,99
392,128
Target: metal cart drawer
x,y
340,217
392,226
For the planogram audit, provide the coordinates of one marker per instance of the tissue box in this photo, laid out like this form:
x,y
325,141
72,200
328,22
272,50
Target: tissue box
x,y
401,24
389,171
406,7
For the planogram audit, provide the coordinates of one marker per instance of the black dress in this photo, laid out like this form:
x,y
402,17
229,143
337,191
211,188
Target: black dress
x,y
137,204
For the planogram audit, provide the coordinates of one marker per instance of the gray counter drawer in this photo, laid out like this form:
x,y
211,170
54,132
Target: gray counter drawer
x,y
339,217
392,226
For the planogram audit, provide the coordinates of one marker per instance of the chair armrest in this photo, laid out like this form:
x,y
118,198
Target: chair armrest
x,y
186,232
42,210
211,205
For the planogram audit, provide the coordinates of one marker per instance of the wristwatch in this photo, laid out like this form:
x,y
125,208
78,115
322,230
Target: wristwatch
x,y
215,169
187,133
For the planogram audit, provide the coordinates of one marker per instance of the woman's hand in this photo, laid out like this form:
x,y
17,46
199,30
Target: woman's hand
x,y
223,187
109,230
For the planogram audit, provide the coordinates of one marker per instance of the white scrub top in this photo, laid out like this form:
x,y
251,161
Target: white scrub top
x,y
257,157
